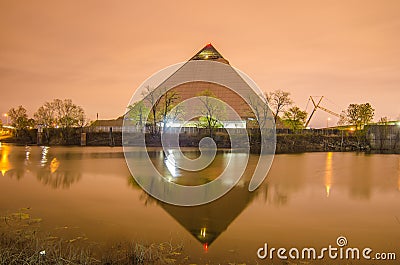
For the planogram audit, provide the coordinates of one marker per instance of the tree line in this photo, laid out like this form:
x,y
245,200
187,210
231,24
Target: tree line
x,y
65,115
160,107
59,114
279,101
285,113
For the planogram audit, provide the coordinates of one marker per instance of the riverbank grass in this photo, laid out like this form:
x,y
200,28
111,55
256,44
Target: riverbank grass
x,y
22,242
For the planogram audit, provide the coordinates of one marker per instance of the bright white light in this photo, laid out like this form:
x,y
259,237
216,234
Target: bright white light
x,y
27,152
234,124
171,164
45,150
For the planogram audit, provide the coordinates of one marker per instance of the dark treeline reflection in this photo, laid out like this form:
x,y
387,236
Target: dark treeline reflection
x,y
57,170
58,167
358,175
58,179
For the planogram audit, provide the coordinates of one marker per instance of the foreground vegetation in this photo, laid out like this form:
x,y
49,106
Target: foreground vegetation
x,y
22,242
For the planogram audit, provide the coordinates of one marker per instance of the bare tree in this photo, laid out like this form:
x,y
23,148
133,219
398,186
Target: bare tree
x,y
168,102
278,100
19,117
68,114
45,115
138,112
62,114
46,118
212,109
161,102
153,98
383,120
260,109
21,122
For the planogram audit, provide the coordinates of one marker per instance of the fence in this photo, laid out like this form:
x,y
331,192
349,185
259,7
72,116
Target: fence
x,y
195,130
384,137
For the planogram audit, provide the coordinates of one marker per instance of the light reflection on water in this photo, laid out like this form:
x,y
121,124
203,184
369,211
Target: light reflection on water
x,y
4,163
307,199
45,150
328,173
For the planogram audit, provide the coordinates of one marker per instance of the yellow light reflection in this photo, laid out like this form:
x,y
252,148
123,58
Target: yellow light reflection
x,y
328,173
54,164
4,162
203,232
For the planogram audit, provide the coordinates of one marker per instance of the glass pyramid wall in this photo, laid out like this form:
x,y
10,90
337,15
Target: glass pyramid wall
x,y
209,53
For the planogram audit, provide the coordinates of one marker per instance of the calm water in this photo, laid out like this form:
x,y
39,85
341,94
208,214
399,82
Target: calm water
x,y
307,200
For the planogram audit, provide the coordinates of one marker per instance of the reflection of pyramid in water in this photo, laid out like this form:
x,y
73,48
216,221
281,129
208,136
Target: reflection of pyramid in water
x,y
207,222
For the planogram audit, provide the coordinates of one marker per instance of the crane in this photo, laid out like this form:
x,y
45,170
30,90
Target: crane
x,y
317,106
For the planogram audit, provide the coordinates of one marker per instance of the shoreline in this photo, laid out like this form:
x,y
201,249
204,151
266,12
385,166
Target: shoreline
x,y
366,150
285,143
374,138
22,241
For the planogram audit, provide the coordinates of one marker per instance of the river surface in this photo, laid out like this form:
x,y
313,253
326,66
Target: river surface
x,y
307,200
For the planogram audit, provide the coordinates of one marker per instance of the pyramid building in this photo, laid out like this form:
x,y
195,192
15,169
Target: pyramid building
x,y
209,53
208,70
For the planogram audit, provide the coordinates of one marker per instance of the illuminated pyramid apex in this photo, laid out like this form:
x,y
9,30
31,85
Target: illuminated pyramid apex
x,y
209,53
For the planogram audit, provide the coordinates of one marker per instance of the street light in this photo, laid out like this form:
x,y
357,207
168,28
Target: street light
x,y
6,115
327,122
327,125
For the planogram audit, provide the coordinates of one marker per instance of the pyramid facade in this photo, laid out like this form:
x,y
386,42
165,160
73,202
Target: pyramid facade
x,y
209,70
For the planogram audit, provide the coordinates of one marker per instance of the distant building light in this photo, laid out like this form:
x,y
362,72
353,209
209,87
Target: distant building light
x,y
234,124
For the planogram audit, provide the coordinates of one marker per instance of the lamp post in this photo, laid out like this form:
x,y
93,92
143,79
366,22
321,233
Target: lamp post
x,y
6,115
327,125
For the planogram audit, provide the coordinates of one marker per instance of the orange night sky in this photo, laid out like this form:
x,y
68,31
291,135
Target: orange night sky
x,y
98,52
